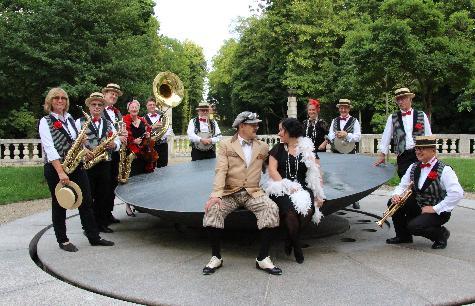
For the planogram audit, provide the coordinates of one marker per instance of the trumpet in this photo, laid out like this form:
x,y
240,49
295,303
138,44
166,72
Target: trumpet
x,y
395,206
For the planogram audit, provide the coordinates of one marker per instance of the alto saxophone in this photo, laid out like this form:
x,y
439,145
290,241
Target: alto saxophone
x,y
99,153
76,152
395,206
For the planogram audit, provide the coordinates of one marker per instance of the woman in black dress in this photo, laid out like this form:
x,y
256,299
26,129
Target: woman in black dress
x,y
295,182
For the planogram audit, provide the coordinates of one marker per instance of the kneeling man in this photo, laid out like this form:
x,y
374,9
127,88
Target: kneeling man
x,y
236,184
436,191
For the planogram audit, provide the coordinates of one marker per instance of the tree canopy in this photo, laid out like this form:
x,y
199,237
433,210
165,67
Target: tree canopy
x,y
362,50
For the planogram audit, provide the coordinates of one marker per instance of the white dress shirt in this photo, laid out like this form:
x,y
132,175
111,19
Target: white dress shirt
x,y
351,137
448,180
111,114
247,149
46,138
408,122
203,128
99,126
156,118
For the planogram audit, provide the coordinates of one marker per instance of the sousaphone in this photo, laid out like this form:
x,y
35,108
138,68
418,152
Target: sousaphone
x,y
168,91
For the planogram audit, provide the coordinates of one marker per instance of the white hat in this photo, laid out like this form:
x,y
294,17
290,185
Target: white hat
x,y
68,196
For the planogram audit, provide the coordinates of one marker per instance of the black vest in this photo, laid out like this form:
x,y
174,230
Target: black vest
x,y
61,138
399,134
431,192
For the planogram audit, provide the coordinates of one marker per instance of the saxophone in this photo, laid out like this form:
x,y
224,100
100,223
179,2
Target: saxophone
x,y
125,161
125,164
76,152
100,152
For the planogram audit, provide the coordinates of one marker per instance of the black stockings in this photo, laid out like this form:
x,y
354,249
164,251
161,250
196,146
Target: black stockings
x,y
294,223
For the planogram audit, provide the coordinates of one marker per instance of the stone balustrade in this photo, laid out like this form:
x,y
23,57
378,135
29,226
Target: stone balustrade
x,y
28,151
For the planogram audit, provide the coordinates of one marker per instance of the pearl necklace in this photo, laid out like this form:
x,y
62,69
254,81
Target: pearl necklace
x,y
288,172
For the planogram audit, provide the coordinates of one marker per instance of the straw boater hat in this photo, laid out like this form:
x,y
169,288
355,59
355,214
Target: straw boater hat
x,y
68,196
203,105
426,141
95,96
344,102
403,92
246,117
112,87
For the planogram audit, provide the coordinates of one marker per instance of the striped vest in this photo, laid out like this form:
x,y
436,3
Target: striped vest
x,y
399,135
92,134
349,126
431,192
61,139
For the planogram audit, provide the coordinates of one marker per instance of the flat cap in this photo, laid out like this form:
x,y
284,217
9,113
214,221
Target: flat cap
x,y
246,117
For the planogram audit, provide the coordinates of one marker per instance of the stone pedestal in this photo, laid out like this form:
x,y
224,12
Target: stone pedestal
x,y
292,107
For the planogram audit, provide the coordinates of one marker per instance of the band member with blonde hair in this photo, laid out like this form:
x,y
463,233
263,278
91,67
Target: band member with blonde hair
x,y
236,184
435,193
58,133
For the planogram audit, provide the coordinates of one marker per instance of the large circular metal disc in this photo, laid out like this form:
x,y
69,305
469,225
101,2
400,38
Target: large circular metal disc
x,y
179,192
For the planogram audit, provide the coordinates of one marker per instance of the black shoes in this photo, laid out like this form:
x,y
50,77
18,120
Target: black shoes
x,y
68,247
398,240
214,264
442,244
356,205
101,242
298,255
105,229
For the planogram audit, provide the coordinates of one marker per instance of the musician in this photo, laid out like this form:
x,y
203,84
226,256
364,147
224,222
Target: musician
x,y
111,113
58,132
137,142
153,118
203,133
436,192
402,127
99,175
295,183
344,127
315,128
236,184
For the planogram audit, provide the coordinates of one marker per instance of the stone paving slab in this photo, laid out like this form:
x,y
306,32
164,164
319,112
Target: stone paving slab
x,y
153,263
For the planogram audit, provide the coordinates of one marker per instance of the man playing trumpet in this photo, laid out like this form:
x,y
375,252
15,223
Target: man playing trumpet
x,y
98,170
436,191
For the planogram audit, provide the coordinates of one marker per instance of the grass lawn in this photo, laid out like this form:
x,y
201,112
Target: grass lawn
x,y
463,167
22,184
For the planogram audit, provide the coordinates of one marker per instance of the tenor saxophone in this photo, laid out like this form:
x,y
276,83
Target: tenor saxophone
x,y
76,153
125,164
395,206
99,153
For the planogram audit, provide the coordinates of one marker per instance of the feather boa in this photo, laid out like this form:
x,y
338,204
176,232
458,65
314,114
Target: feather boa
x,y
300,197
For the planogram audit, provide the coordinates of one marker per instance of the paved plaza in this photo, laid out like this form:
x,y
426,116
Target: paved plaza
x,y
155,262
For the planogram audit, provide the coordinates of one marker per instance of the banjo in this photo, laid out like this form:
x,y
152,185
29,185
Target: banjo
x,y
342,145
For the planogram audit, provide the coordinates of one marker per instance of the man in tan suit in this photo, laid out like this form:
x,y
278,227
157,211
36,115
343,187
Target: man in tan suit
x,y
236,184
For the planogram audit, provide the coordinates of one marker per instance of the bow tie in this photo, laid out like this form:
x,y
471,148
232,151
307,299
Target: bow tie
x,y
425,165
95,120
202,119
343,118
406,113
154,115
246,143
110,108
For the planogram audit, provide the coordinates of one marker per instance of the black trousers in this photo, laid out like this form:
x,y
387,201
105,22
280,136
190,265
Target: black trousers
x,y
110,192
404,160
99,180
409,220
79,176
199,155
162,150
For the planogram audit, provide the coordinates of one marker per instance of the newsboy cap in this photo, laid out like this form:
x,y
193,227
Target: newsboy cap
x,y
246,117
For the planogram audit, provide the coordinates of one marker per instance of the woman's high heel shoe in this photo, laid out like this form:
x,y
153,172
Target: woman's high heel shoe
x,y
298,255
